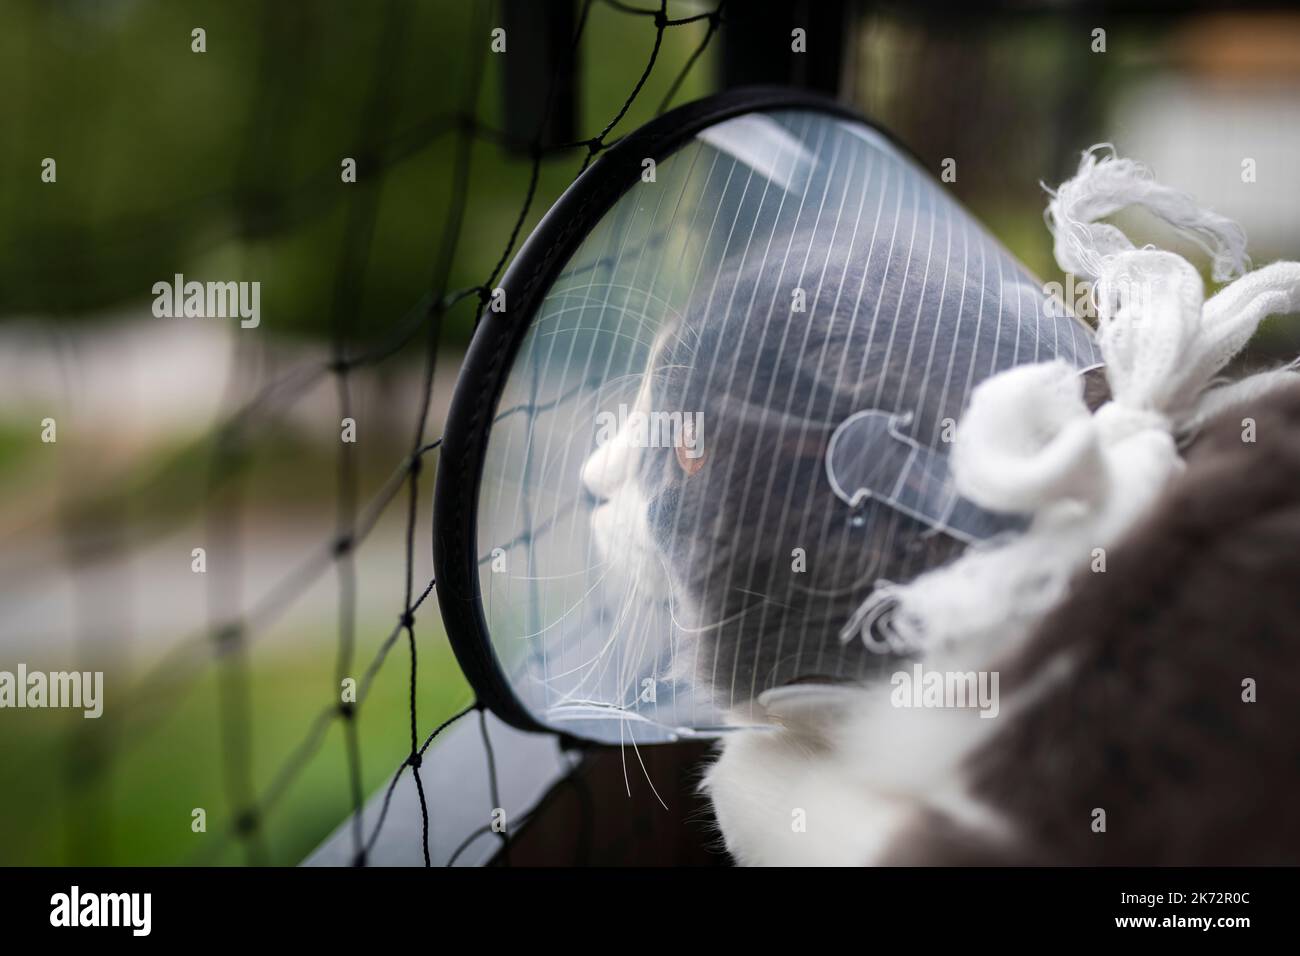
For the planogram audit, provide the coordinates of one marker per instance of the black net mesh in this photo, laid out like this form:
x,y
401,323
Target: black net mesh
x,y
236,623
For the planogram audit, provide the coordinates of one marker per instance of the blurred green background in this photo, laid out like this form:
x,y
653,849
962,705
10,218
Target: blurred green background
x,y
226,164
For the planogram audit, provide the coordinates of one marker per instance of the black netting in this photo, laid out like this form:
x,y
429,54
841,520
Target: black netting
x,y
226,642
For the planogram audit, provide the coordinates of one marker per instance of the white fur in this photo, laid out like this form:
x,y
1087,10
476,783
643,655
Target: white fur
x,y
620,524
765,777
862,771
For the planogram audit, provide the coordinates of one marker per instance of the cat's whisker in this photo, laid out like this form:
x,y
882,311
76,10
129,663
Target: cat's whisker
x,y
717,625
630,601
646,773
581,602
600,655
614,333
766,599
649,297
560,577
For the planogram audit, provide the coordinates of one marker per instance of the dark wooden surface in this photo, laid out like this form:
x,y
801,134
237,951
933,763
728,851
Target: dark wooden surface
x,y
589,818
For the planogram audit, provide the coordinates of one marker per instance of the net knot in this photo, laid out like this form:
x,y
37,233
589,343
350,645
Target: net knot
x,y
407,619
414,760
227,637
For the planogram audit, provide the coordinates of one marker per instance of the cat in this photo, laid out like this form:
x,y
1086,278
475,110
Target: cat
x,y
762,563
1122,735
1152,718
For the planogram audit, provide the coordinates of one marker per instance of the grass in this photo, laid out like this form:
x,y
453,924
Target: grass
x,y
138,810
122,791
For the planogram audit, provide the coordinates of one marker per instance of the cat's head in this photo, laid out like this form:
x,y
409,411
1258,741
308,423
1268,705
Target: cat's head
x,y
714,494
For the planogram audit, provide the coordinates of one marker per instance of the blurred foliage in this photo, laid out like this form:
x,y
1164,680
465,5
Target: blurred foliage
x,y
1014,96
226,164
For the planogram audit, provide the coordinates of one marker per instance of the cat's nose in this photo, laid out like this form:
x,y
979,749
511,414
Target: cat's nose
x,y
605,469
591,489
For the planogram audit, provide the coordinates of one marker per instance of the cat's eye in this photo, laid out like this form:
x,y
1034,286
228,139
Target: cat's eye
x,y
781,266
689,460
689,449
